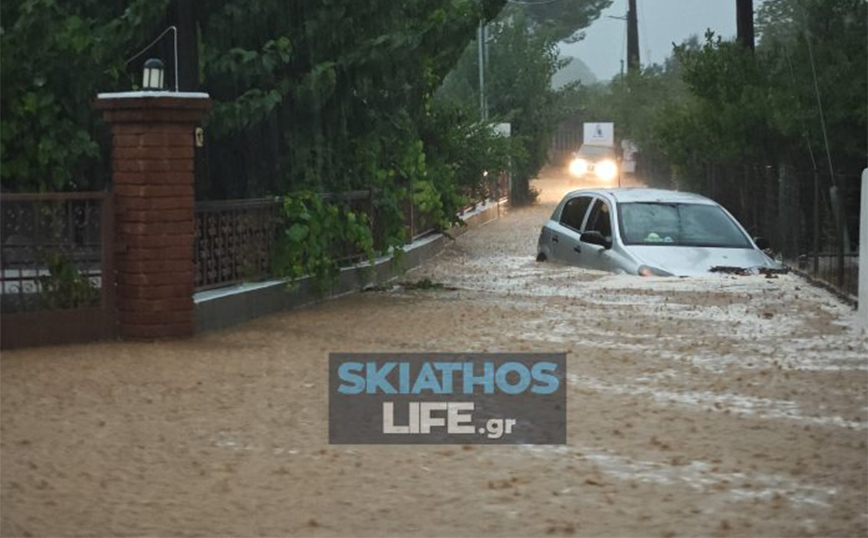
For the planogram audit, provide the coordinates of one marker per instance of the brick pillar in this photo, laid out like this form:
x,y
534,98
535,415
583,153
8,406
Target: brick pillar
x,y
153,137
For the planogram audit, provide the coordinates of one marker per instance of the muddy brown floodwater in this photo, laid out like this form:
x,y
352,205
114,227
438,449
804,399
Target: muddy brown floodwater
x,y
720,406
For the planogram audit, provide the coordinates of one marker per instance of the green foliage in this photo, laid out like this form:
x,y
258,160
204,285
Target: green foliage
x,y
317,237
520,92
723,116
318,97
562,20
523,59
337,96
761,109
716,109
323,96
65,286
460,151
832,34
56,56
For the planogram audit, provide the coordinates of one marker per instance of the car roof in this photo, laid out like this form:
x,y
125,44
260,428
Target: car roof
x,y
641,194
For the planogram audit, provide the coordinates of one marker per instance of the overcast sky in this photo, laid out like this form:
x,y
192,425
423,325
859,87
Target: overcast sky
x,y
660,23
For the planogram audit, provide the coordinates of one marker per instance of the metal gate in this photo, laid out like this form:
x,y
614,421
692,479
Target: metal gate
x,y
57,282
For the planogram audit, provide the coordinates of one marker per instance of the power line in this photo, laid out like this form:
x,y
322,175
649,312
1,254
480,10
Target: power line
x,y
819,101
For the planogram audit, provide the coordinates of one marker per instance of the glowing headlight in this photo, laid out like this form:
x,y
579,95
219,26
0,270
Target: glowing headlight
x,y
606,170
578,167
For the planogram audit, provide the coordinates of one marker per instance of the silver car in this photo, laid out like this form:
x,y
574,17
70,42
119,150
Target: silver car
x,y
648,232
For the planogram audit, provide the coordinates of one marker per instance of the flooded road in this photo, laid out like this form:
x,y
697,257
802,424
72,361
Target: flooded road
x,y
720,406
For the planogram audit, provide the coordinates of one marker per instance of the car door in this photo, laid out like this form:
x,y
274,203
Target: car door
x,y
593,256
564,235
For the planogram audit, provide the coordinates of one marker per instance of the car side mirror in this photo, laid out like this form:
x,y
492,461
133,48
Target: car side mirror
x,y
762,243
596,238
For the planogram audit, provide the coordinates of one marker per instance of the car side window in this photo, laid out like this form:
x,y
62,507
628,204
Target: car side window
x,y
574,212
600,219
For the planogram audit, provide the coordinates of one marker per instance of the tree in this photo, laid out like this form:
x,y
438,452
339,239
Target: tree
x,y
523,59
562,20
816,54
520,93
55,57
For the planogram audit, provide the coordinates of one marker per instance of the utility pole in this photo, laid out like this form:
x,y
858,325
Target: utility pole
x,y
483,104
744,22
632,38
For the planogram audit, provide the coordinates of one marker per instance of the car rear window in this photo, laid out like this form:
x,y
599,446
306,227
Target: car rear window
x,y
667,224
574,212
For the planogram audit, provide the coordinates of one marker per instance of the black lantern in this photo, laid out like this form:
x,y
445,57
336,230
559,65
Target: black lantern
x,y
152,76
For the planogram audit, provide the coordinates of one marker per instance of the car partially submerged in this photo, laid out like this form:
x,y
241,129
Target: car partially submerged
x,y
648,232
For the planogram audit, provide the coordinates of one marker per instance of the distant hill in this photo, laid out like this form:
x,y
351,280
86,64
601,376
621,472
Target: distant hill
x,y
573,71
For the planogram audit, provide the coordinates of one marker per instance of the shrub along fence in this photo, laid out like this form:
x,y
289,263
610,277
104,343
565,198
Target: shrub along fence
x,y
235,239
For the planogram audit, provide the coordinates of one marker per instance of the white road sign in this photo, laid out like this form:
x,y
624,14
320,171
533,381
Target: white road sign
x,y
599,134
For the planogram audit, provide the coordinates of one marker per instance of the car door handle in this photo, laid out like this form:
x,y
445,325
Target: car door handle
x,y
554,239
578,249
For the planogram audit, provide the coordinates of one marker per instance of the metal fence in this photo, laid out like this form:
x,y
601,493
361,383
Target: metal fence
x,y
811,221
56,272
235,239
828,249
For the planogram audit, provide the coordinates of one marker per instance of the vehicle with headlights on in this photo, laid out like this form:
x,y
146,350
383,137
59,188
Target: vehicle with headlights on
x,y
648,232
595,162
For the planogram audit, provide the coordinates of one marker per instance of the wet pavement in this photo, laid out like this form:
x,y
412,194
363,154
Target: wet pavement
x,y
718,406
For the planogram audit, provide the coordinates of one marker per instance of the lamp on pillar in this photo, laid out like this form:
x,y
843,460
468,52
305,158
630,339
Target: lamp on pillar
x,y
152,75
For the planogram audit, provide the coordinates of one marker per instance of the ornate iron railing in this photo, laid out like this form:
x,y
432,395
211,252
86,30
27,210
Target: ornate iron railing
x,y
494,189
234,240
51,250
57,281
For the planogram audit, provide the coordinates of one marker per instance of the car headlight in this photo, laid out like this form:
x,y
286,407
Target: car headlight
x,y
646,270
578,167
606,170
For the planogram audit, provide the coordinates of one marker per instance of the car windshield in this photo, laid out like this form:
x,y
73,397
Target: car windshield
x,y
667,224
